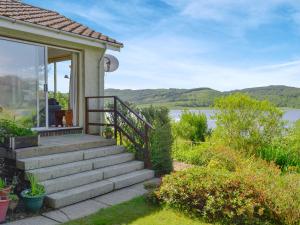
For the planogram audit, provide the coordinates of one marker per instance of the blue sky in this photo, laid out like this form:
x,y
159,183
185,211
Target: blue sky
x,y
221,44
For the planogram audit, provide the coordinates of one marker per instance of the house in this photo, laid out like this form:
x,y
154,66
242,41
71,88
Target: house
x,y
42,54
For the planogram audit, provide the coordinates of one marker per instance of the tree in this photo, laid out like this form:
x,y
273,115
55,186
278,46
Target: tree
x,y
245,123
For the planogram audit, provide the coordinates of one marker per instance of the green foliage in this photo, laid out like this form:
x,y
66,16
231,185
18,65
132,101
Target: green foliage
x,y
36,189
62,98
244,123
10,128
13,197
234,190
24,121
281,96
160,138
294,137
284,151
189,152
2,183
191,126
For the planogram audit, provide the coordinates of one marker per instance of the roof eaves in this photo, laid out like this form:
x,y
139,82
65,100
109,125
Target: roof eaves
x,y
103,42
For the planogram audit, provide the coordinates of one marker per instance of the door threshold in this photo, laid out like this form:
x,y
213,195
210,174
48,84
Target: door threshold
x,y
57,131
41,129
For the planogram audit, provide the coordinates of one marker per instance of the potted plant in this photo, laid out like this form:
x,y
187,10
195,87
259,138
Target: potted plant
x,y
13,201
14,136
34,197
108,133
4,201
4,188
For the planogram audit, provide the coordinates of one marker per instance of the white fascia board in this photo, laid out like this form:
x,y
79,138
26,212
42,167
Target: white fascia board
x,y
18,25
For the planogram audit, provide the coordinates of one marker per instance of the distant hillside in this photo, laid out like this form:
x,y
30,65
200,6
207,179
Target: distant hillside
x,y
282,96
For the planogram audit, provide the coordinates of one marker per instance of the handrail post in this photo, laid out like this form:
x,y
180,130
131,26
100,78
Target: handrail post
x,y
115,118
146,149
86,115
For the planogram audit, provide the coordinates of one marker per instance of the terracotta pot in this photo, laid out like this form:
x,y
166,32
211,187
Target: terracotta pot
x,y
69,118
4,201
13,204
108,135
5,191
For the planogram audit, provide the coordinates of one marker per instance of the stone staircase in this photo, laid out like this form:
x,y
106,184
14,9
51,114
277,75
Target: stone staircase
x,y
72,173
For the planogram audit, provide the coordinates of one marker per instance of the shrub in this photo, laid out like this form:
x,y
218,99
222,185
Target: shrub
x,y
10,128
244,123
192,126
160,138
247,191
284,151
189,152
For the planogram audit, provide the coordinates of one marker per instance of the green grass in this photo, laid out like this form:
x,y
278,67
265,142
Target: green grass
x,y
137,212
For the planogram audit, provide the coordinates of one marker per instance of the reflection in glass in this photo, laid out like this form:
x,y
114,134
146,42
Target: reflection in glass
x,y
22,79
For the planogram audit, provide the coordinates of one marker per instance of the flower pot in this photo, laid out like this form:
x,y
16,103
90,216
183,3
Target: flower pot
x,y
108,135
32,203
5,191
21,142
69,118
13,204
4,201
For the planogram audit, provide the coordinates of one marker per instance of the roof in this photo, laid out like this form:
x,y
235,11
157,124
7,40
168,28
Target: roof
x,y
17,10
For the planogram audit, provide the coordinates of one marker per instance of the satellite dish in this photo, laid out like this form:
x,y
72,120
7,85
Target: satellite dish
x,y
111,63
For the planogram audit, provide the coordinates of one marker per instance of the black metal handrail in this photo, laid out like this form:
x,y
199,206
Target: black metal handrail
x,y
117,115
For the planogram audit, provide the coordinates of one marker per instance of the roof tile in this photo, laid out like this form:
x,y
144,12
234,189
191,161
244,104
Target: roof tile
x,y
17,10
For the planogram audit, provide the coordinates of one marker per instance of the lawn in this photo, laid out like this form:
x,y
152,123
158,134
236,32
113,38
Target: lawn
x,y
137,212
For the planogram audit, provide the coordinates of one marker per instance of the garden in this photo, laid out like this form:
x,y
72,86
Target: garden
x,y
19,197
244,171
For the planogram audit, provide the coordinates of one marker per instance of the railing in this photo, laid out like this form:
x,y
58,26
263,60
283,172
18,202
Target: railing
x,y
119,120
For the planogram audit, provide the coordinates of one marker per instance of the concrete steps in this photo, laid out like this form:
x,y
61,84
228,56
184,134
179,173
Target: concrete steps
x,y
63,144
79,179
88,191
77,167
63,158
87,171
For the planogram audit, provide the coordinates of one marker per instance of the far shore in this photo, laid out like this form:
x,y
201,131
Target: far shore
x,y
200,107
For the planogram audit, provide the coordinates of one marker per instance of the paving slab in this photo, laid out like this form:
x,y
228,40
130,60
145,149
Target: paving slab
x,y
72,196
87,207
57,215
38,220
82,209
141,188
119,196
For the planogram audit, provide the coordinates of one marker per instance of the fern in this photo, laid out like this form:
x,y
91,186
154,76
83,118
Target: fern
x,y
36,189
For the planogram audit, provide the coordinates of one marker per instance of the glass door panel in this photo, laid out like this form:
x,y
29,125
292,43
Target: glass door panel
x,y
22,80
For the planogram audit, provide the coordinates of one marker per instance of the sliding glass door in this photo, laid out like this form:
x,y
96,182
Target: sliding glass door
x,y
22,82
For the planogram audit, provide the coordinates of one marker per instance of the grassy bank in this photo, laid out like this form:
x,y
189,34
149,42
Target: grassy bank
x,y
137,212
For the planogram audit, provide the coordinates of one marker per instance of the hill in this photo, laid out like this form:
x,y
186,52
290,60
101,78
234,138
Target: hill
x,y
282,96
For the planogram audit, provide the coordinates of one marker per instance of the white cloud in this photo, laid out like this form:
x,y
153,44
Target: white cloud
x,y
237,15
124,17
167,63
187,47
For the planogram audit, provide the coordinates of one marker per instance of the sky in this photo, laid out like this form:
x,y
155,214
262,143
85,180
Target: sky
x,y
220,44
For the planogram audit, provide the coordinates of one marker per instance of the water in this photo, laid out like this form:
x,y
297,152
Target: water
x,y
290,115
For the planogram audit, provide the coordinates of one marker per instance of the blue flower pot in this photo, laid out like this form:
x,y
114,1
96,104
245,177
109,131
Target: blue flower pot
x,y
32,203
